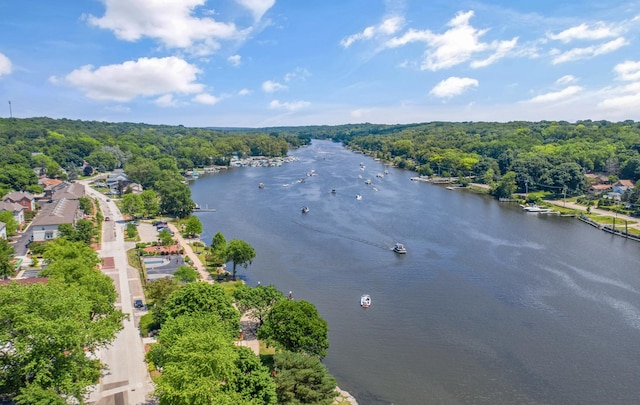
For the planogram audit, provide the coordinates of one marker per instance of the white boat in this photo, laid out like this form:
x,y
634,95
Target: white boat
x,y
367,182
305,209
358,197
365,301
399,248
261,185
535,209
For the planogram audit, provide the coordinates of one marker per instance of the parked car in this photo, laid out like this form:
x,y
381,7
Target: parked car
x,y
107,219
138,304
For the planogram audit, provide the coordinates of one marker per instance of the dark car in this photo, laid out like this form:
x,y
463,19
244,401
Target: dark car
x,y
138,304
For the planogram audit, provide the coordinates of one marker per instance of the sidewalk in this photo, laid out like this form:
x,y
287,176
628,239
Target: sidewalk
x,y
197,263
635,221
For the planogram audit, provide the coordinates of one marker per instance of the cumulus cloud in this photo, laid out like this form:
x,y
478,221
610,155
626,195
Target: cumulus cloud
x,y
290,106
257,7
5,65
206,98
173,23
628,70
166,100
556,95
453,86
388,26
271,86
589,51
566,79
131,79
600,30
625,99
234,60
244,92
459,44
298,74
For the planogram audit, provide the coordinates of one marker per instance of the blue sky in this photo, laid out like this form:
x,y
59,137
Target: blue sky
x,y
260,63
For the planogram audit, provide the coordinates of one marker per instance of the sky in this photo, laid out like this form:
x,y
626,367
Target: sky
x,y
265,63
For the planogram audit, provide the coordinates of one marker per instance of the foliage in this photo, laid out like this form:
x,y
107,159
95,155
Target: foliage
x,y
147,324
506,186
240,253
193,226
131,205
166,238
296,326
175,198
186,274
50,329
150,203
257,301
132,231
83,232
198,299
302,379
219,244
157,291
86,205
7,268
11,224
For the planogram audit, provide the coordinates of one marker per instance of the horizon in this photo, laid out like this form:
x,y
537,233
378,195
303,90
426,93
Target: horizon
x,y
278,63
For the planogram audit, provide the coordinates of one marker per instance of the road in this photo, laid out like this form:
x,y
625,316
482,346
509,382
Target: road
x,y
126,380
635,222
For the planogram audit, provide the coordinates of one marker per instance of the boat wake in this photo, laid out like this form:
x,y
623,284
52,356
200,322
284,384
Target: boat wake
x,y
364,241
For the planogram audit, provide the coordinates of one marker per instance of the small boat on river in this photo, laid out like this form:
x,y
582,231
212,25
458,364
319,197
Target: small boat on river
x,y
305,209
261,185
535,209
399,248
365,301
358,197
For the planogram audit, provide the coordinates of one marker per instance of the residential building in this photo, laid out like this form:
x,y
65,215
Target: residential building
x,y
45,224
598,189
16,209
27,200
621,186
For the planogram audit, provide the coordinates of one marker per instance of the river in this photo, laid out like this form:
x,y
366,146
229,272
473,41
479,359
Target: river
x,y
490,305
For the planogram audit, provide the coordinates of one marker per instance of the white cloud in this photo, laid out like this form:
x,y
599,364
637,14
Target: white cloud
x,y
144,77
566,79
628,70
234,60
206,98
257,7
5,65
387,27
170,22
556,95
623,100
244,92
589,51
453,86
166,100
456,45
290,106
584,32
271,86
299,74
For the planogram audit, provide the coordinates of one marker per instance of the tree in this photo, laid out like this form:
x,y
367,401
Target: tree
x,y
193,226
506,186
85,231
166,238
49,330
175,198
7,268
296,326
10,222
219,244
131,204
157,291
257,301
186,274
150,203
202,298
240,253
302,379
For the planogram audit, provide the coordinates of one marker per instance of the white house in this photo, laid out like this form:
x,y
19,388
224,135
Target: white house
x,y
3,230
16,209
45,224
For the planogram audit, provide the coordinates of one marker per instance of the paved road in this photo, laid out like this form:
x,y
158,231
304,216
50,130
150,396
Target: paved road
x,y
635,221
126,381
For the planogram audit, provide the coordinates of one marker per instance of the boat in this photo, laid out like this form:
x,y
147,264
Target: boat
x,y
367,182
399,248
536,209
358,197
333,191
365,301
380,175
261,185
305,209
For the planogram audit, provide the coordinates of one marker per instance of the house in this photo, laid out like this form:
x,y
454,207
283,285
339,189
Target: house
x,y
70,191
115,179
45,224
50,186
3,230
27,200
16,209
595,178
598,189
621,186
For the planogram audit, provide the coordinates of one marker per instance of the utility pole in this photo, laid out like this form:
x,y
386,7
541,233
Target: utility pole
x,y
10,112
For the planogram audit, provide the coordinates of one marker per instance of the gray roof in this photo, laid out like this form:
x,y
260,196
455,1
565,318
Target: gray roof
x,y
72,191
61,211
17,196
9,206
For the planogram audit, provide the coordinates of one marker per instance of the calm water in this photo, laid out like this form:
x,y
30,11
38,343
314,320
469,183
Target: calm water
x,y
490,305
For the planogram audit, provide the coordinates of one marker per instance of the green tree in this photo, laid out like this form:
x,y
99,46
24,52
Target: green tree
x,y
193,226
50,330
131,204
166,238
186,274
240,253
252,380
150,203
85,231
296,326
202,298
157,291
175,198
219,244
257,301
302,379
506,186
7,268
10,222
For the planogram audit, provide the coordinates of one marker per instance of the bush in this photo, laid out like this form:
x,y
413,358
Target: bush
x,y
147,324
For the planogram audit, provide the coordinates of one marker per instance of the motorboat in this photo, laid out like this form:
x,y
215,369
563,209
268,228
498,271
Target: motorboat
x,y
261,185
536,209
365,301
305,209
358,197
367,182
399,248
333,191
